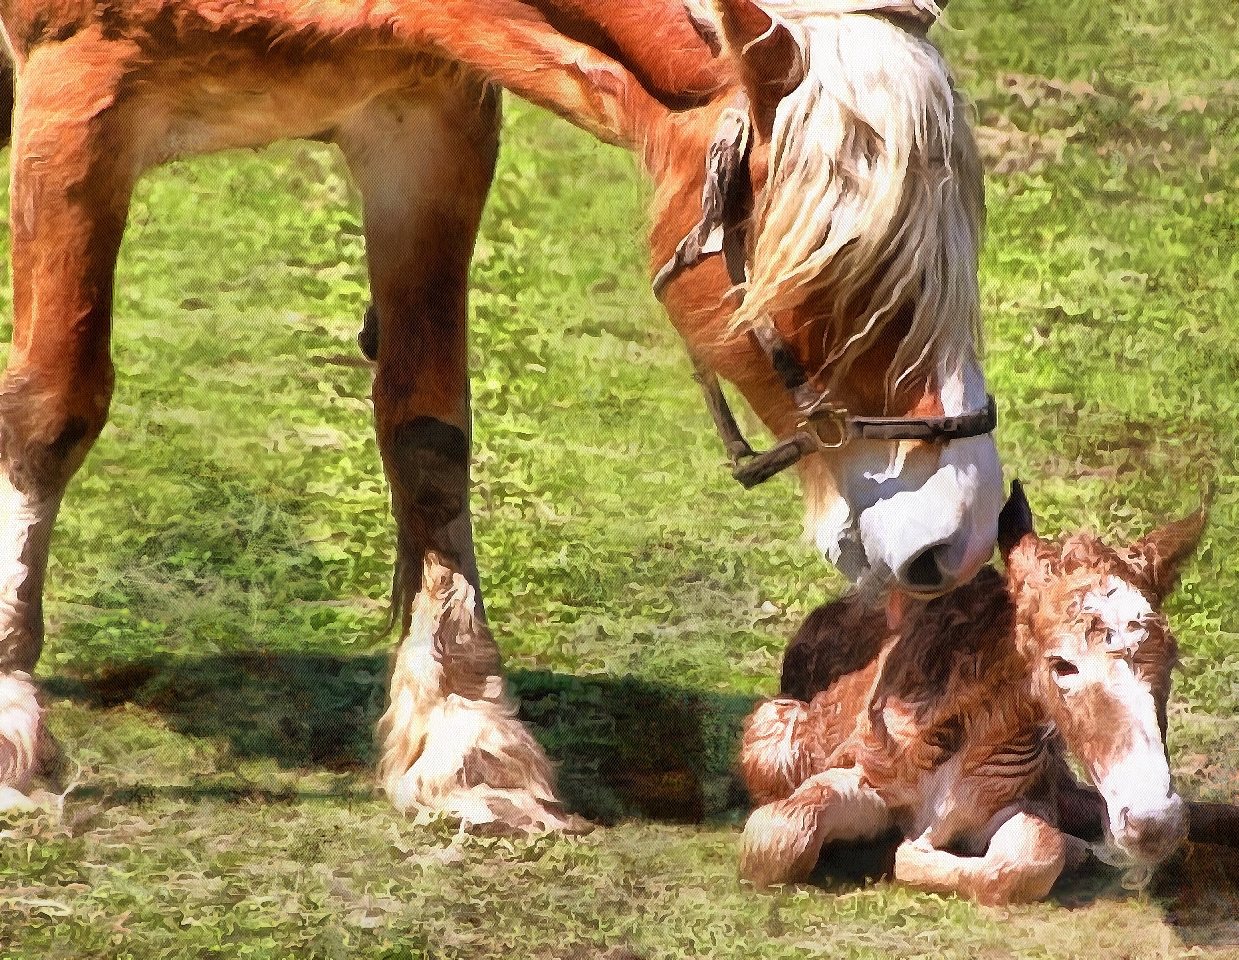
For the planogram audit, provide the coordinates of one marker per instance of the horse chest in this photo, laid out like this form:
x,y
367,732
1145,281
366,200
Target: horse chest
x,y
947,781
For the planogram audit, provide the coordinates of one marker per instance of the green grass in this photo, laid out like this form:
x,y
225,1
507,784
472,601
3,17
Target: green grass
x,y
222,563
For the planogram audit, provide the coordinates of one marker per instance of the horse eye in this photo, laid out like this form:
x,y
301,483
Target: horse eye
x,y
1063,668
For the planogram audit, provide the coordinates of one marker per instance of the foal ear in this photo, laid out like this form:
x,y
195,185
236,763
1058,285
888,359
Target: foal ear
x,y
1160,554
766,54
1015,522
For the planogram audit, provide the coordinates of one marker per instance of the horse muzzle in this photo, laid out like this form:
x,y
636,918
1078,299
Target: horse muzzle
x,y
1151,834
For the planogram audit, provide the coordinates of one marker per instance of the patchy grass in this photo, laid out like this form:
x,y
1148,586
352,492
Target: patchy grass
x,y
222,563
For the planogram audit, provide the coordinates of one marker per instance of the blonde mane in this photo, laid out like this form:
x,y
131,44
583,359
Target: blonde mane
x,y
873,203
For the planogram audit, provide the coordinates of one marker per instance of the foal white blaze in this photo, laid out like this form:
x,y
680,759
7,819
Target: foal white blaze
x,y
872,214
1146,819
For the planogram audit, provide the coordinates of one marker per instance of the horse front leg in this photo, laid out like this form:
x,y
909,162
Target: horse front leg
x,y
783,840
75,157
774,756
1025,857
450,738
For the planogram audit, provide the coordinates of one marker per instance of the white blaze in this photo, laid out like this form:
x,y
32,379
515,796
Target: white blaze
x,y
1138,781
1137,785
1123,611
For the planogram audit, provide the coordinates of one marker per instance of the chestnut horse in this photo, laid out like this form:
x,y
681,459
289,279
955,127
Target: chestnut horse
x,y
829,133
954,729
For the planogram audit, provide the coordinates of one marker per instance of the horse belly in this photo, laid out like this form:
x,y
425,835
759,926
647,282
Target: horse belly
x,y
240,101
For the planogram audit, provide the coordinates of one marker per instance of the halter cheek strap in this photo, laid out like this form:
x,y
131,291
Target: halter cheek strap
x,y
725,201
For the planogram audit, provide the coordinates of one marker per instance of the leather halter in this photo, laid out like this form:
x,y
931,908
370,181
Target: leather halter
x,y
722,229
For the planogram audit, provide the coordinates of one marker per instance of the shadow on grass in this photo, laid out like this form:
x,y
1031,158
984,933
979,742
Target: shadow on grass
x,y
625,747
1199,894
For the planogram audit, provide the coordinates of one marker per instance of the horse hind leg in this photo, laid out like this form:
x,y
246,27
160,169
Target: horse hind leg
x,y
450,739
774,757
1021,864
783,840
74,164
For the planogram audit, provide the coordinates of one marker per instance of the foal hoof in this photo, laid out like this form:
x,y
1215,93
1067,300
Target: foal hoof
x,y
779,846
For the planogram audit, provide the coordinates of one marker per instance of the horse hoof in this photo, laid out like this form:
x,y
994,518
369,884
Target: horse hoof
x,y
487,812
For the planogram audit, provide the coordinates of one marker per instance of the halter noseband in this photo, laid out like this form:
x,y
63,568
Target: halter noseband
x,y
724,211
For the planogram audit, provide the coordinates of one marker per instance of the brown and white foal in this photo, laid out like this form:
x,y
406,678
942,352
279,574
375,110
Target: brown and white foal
x,y
954,728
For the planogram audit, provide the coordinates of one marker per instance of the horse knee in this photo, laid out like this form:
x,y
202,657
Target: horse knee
x,y
782,842
774,757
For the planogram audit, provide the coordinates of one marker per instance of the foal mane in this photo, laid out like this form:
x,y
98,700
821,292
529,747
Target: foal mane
x,y
872,205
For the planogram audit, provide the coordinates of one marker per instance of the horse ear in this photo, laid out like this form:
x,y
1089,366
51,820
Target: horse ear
x,y
1160,554
1015,522
766,54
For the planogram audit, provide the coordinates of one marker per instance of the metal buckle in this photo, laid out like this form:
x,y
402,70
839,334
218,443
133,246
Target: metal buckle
x,y
811,423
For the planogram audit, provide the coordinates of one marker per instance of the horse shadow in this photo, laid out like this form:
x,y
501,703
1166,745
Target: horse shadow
x,y
625,747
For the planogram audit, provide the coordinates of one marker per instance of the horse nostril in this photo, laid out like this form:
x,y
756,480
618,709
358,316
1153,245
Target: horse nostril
x,y
1157,834
923,572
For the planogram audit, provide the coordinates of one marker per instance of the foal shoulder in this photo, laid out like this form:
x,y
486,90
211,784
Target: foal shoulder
x,y
837,639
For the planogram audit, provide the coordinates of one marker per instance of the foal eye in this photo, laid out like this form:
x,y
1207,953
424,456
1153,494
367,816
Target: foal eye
x,y
1062,668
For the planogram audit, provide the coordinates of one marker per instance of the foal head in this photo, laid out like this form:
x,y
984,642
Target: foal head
x,y
1090,625
861,251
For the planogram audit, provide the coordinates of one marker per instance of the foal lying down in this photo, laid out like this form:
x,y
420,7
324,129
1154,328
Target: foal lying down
x,y
954,728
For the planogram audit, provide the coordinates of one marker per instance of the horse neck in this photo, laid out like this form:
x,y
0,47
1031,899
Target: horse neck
x,y
679,70
699,303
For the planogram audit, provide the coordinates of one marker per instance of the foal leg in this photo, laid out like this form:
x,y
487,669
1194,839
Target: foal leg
x,y
1023,860
783,840
74,163
451,741
773,756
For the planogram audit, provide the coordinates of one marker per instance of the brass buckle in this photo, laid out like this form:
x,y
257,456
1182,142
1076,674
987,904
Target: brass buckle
x,y
837,417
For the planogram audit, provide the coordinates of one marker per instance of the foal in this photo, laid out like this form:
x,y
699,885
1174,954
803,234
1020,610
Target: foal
x,y
954,727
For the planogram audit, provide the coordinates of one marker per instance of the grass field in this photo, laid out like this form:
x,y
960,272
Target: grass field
x,y
220,572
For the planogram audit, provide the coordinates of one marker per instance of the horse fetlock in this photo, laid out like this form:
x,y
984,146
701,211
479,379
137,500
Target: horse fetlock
x,y
23,740
26,521
471,760
451,741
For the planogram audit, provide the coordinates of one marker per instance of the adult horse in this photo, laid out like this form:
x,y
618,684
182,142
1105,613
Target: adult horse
x,y
819,146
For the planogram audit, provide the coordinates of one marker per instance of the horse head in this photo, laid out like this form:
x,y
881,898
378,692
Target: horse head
x,y
851,261
1090,625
